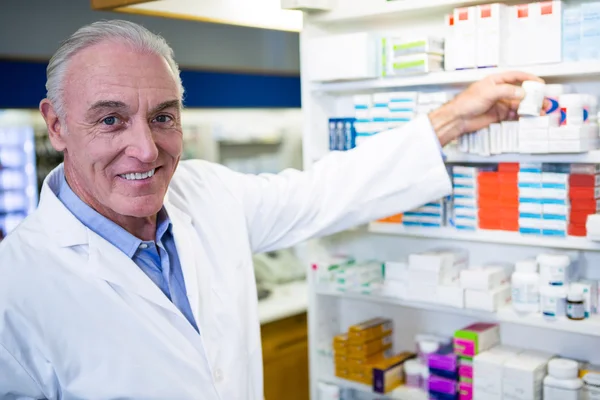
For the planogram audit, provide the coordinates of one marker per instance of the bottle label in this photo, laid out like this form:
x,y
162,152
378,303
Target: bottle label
x,y
526,294
575,310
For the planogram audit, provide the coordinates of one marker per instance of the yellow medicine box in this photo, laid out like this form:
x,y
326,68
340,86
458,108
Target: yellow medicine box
x,y
389,374
371,348
370,329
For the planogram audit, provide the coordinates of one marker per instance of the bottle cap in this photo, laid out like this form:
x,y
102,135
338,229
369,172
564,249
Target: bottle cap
x,y
526,266
428,346
575,294
562,368
554,260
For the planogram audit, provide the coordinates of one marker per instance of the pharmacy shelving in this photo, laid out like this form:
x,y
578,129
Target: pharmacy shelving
x,y
591,157
488,236
590,327
401,393
554,72
360,10
331,313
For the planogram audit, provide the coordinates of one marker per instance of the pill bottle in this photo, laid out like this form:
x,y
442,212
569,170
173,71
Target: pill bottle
x,y
553,93
426,348
562,382
554,269
531,105
575,304
424,377
591,388
553,301
526,287
413,369
573,110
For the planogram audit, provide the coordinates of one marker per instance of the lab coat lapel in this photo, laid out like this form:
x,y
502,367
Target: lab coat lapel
x,y
110,264
183,232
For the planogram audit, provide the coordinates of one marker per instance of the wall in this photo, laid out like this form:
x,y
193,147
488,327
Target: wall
x,y
34,29
222,66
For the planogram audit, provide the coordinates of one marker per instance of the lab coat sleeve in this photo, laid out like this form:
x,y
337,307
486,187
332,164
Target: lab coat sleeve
x,y
392,172
15,382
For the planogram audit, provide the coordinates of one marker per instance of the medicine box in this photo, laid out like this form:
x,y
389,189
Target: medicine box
x,y
371,329
571,41
590,296
483,278
343,56
492,22
389,374
416,64
523,375
451,296
488,369
429,45
368,349
396,270
488,300
590,31
465,33
476,338
436,260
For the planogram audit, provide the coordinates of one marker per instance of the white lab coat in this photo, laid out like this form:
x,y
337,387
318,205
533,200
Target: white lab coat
x,y
79,320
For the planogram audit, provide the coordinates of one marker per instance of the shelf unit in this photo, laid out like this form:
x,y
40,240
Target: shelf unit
x,y
551,72
590,327
487,236
401,393
331,312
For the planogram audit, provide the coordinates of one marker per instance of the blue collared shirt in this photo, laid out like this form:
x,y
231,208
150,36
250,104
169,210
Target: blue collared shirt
x,y
158,259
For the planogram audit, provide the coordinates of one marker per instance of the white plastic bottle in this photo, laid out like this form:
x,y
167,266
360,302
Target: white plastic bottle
x,y
554,269
531,105
562,382
526,287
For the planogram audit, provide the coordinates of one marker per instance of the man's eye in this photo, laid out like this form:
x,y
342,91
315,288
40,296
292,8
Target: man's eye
x,y
161,119
110,121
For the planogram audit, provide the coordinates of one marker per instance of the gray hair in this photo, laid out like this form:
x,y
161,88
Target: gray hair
x,y
136,35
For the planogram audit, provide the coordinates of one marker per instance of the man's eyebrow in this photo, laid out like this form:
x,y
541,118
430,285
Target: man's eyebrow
x,y
166,104
107,104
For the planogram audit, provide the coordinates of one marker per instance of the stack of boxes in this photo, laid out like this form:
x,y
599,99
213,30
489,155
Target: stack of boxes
x,y
488,370
465,206
411,56
584,191
555,199
442,382
18,184
430,215
530,198
364,354
581,37
359,277
486,288
523,375
434,276
488,199
468,343
509,196
496,35
382,111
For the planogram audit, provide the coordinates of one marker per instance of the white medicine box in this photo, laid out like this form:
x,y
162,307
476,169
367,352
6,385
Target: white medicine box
x,y
491,40
307,5
343,57
465,32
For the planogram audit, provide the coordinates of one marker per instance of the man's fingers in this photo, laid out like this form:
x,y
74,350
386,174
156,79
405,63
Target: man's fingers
x,y
506,91
515,77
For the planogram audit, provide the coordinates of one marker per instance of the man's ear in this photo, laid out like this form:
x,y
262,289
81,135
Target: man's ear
x,y
56,128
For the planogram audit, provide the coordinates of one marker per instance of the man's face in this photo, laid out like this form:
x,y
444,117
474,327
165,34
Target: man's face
x,y
123,136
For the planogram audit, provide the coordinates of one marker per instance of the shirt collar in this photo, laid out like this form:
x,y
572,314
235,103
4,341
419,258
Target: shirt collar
x,y
104,227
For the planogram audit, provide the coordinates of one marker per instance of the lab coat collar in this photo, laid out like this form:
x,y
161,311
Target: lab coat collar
x,y
108,262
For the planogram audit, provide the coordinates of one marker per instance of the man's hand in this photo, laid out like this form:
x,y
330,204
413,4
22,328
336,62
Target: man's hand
x,y
493,99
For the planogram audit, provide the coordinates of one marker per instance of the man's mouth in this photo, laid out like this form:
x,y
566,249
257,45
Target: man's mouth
x,y
138,176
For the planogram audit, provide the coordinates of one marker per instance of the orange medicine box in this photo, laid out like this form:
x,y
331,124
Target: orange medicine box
x,y
389,374
340,342
370,329
342,372
348,362
370,349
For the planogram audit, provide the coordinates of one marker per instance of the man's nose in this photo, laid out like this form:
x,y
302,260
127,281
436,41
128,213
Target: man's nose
x,y
141,143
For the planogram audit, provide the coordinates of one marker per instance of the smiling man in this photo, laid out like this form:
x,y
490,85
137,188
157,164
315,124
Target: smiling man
x,y
134,278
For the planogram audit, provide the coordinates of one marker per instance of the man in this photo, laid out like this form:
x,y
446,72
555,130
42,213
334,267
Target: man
x,y
134,279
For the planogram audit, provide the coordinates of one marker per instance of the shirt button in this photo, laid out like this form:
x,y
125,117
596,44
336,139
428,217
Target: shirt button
x,y
143,246
218,375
